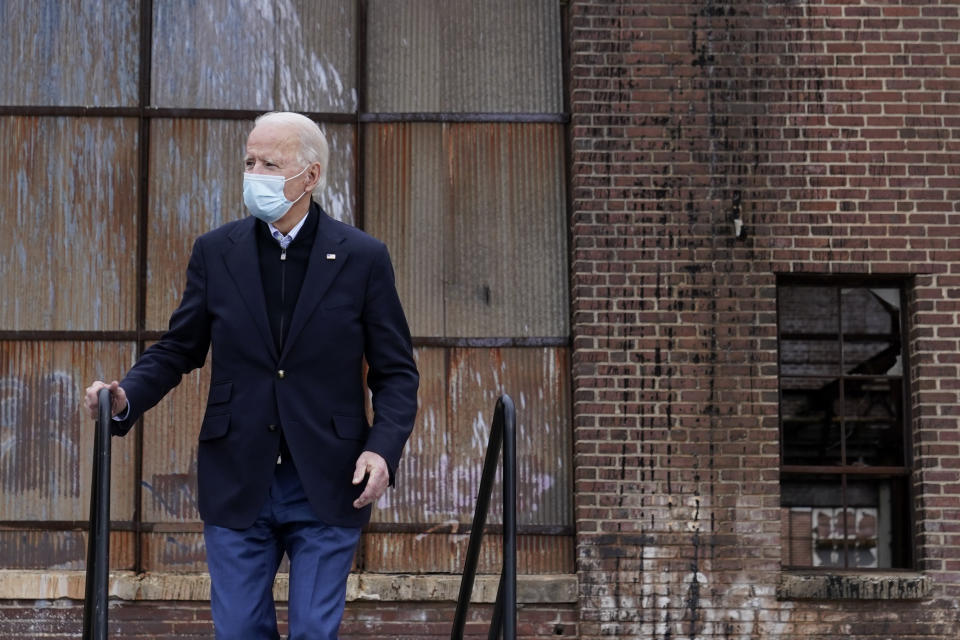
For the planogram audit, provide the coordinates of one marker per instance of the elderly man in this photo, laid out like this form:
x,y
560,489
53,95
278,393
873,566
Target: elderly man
x,y
291,302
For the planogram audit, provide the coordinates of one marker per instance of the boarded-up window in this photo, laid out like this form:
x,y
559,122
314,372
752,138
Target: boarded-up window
x,y
124,142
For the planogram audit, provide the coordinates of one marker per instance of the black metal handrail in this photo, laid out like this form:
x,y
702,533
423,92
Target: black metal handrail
x,y
503,431
98,540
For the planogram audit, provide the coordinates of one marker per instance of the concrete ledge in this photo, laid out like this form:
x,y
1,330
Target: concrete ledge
x,y
124,585
853,586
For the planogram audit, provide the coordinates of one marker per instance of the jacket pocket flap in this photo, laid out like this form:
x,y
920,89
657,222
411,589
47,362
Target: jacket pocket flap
x,y
215,427
219,392
349,427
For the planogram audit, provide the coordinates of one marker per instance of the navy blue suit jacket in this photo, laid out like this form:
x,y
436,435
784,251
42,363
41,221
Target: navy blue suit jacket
x,y
347,310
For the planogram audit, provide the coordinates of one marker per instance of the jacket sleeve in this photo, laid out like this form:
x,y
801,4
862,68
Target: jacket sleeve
x,y
392,372
180,350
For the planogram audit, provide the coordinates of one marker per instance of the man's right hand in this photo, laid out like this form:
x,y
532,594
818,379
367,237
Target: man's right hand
x,y
118,398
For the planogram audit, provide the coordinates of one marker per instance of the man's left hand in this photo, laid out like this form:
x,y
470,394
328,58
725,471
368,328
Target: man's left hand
x,y
374,467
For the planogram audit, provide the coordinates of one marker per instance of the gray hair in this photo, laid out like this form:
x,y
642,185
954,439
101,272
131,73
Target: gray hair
x,y
313,144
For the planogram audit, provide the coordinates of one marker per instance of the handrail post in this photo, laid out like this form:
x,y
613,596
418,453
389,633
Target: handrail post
x,y
98,538
503,431
508,606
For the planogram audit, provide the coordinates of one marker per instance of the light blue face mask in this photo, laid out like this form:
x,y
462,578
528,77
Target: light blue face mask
x,y
263,195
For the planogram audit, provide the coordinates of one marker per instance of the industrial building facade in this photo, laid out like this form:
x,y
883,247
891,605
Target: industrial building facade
x,y
711,249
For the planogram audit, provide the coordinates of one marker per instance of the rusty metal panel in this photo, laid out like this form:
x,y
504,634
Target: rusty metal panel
x,y
218,54
170,431
439,474
231,54
463,56
316,65
56,53
196,184
184,551
73,178
507,270
174,551
445,553
180,551
480,216
419,486
46,444
65,550
339,198
404,201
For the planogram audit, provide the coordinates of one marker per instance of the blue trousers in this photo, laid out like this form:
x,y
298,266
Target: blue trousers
x,y
243,565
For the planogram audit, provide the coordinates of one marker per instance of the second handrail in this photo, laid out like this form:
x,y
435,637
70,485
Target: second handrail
x,y
503,431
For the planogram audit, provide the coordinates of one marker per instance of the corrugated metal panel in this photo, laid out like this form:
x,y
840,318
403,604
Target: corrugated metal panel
x,y
174,551
196,184
56,53
170,451
218,54
420,488
481,216
231,54
404,201
538,382
463,56
183,551
73,178
507,268
405,56
339,199
46,444
445,553
66,550
317,57
439,475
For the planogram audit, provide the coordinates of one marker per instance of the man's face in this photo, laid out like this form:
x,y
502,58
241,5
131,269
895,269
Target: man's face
x,y
272,150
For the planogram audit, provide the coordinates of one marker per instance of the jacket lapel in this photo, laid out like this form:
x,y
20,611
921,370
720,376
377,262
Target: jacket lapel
x,y
326,259
243,264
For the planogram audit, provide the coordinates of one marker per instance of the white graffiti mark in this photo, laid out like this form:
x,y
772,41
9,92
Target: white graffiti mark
x,y
436,489
39,434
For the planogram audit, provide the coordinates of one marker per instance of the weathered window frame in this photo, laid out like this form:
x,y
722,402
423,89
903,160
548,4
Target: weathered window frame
x,y
791,587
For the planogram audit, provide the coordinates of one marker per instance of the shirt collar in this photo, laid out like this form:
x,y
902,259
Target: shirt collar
x,y
293,232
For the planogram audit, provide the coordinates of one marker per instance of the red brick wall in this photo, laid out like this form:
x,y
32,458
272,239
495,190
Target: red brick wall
x,y
61,619
832,128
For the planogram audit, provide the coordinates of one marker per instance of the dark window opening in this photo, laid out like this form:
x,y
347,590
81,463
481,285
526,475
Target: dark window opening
x,y
844,441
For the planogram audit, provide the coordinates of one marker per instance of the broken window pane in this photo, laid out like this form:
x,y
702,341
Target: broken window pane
x,y
871,311
842,408
872,358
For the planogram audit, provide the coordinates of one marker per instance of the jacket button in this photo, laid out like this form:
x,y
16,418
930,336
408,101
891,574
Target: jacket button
x,y
271,427
281,374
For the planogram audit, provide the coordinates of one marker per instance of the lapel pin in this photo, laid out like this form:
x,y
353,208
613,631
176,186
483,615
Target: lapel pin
x,y
331,256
